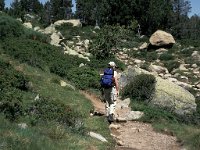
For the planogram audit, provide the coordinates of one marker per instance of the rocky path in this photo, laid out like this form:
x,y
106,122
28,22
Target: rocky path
x,y
134,135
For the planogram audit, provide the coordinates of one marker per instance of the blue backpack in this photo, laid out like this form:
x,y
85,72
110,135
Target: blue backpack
x,y
107,79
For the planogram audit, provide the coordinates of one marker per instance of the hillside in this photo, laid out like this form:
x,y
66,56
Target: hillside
x,y
42,71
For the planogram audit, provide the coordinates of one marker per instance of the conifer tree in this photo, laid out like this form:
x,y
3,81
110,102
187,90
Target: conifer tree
x,y
2,5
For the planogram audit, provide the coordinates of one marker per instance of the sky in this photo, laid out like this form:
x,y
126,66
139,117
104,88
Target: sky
x,y
194,3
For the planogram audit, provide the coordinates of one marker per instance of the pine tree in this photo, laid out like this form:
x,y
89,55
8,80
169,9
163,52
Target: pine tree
x,y
2,5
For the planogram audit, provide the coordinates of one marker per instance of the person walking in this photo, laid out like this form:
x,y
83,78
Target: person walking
x,y
110,86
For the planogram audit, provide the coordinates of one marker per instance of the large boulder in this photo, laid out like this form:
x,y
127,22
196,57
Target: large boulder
x,y
167,94
74,22
28,25
50,29
161,38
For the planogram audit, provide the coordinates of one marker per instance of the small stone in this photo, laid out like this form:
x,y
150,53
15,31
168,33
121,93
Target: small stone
x,y
23,125
120,143
114,126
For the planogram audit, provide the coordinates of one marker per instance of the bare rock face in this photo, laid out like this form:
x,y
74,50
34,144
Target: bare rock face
x,y
161,38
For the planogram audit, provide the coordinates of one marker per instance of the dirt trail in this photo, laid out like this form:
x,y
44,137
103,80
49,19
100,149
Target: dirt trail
x,y
134,135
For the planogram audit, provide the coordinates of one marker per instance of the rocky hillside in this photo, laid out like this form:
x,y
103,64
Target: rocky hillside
x,y
159,54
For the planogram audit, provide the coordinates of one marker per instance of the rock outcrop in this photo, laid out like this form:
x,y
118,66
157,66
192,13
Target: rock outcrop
x,y
161,38
74,22
167,94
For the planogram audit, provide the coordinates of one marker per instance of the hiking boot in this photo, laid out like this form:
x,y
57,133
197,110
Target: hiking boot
x,y
111,118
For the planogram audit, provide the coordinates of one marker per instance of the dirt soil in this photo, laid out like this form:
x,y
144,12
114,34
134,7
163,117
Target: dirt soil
x,y
134,135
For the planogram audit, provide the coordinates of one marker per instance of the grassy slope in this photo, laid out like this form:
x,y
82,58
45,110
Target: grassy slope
x,y
51,135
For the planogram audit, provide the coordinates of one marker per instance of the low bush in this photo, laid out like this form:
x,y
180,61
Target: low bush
x,y
166,56
107,40
141,88
101,64
10,27
145,66
153,114
186,52
46,109
171,64
41,55
11,104
68,31
34,35
84,77
151,56
12,83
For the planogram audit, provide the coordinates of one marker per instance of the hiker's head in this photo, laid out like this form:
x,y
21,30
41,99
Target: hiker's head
x,y
112,64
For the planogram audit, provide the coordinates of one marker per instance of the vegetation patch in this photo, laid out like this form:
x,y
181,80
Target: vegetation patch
x,y
141,88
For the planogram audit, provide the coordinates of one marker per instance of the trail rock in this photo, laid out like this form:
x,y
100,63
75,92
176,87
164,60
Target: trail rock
x,y
97,136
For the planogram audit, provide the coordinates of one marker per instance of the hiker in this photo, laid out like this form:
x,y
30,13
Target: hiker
x,y
109,84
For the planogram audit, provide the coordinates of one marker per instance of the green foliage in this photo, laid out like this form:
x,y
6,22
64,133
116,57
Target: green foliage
x,y
188,42
84,77
141,88
133,25
153,114
151,56
11,84
194,141
34,35
171,64
68,31
41,55
145,66
11,103
107,40
46,109
186,52
9,27
166,57
101,64
2,5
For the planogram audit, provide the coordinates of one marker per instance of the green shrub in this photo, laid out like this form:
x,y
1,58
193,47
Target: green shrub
x,y
54,130
11,103
11,84
153,114
171,64
101,64
41,55
34,35
186,52
151,56
45,109
84,77
194,141
166,56
9,27
139,54
141,88
105,44
145,66
12,78
68,31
